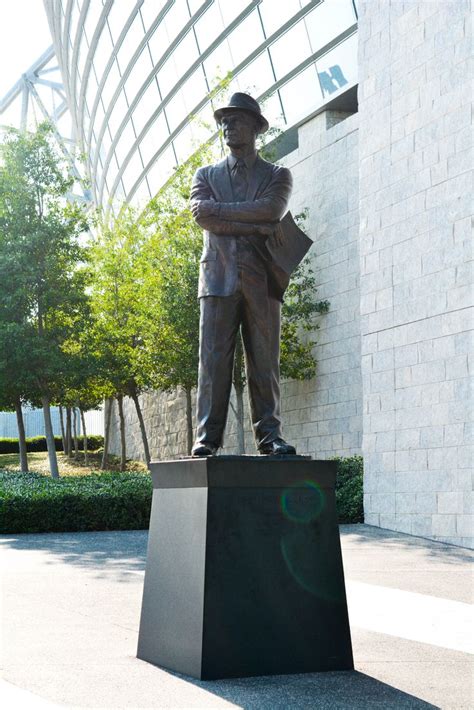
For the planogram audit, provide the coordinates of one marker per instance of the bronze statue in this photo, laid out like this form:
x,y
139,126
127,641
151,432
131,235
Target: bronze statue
x,y
239,202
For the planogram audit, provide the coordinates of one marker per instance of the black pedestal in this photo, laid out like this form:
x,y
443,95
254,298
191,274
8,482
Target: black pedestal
x,y
244,572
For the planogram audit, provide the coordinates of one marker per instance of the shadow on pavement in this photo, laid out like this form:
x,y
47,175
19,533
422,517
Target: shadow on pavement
x,y
345,690
440,551
122,552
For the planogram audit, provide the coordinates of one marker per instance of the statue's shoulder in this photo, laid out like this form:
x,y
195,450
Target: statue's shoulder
x,y
273,167
207,171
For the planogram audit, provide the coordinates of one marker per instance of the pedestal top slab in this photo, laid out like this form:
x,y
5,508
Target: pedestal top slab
x,y
242,472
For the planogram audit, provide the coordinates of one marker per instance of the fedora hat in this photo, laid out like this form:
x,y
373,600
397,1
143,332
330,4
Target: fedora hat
x,y
243,102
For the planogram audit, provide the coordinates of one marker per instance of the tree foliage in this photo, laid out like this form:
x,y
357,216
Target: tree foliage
x,y
42,292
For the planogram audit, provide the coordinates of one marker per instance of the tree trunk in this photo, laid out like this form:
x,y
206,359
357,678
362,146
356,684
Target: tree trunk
x,y
21,437
107,418
53,461
189,420
74,429
63,433
68,449
239,385
123,444
84,435
146,449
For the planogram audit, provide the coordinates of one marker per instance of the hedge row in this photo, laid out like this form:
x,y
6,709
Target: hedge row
x,y
349,489
38,443
32,503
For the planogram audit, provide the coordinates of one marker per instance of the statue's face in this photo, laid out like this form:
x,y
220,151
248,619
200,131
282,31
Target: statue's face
x,y
239,127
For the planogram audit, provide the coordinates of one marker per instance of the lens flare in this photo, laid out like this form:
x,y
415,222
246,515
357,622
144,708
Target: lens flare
x,y
302,502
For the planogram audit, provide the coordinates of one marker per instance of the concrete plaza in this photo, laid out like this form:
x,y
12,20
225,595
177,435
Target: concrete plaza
x,y
71,606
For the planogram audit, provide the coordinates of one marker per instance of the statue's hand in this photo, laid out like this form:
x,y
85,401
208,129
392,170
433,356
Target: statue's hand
x,y
265,230
204,208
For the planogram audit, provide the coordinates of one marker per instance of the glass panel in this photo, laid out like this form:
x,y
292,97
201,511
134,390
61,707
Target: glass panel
x,y
161,170
180,60
82,54
194,5
150,10
271,109
137,76
275,14
145,107
218,63
132,172
245,38
194,90
130,44
92,18
118,113
117,17
103,52
176,111
209,26
338,67
158,43
176,18
185,143
257,77
112,172
230,10
142,194
301,95
291,49
111,83
327,21
99,116
155,136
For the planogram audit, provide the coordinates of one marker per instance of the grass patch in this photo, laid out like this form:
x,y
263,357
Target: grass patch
x,y
38,463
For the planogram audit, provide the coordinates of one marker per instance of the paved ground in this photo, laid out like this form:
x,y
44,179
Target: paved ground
x,y
71,606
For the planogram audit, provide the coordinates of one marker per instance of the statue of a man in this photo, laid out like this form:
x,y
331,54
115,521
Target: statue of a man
x,y
239,201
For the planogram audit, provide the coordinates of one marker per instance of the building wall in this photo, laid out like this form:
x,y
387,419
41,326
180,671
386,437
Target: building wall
x,y
415,206
323,416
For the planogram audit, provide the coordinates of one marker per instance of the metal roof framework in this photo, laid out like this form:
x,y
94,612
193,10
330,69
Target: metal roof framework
x,y
38,96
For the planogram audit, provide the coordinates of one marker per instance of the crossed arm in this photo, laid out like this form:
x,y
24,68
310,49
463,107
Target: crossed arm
x,y
240,218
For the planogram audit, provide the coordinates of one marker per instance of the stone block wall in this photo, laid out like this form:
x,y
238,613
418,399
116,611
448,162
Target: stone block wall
x,y
415,265
323,416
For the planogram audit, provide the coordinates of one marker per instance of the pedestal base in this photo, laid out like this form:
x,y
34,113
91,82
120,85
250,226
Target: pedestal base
x,y
244,572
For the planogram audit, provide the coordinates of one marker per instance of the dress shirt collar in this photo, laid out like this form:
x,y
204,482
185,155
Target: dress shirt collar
x,y
249,160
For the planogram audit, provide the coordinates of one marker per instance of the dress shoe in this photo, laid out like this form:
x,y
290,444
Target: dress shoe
x,y
277,447
203,448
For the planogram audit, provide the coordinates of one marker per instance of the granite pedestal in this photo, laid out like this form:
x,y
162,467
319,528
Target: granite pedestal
x,y
244,572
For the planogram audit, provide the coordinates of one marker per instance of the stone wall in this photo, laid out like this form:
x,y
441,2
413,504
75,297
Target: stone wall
x,y
323,416
415,207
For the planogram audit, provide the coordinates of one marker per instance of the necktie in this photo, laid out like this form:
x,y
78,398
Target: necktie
x,y
239,181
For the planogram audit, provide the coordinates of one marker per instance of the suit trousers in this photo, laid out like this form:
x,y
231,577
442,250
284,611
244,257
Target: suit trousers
x,y
257,314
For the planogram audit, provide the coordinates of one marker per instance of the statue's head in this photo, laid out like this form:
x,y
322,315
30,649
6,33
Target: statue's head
x,y
241,120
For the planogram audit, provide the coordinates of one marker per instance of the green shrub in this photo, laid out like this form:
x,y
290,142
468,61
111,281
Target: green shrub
x,y
38,443
32,503
349,489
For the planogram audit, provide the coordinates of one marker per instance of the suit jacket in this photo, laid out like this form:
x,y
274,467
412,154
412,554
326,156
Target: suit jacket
x,y
266,201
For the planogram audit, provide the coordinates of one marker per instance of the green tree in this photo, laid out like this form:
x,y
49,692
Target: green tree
x,y
40,256
120,332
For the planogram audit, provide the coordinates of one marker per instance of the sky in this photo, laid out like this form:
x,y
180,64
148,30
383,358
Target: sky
x,y
24,36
